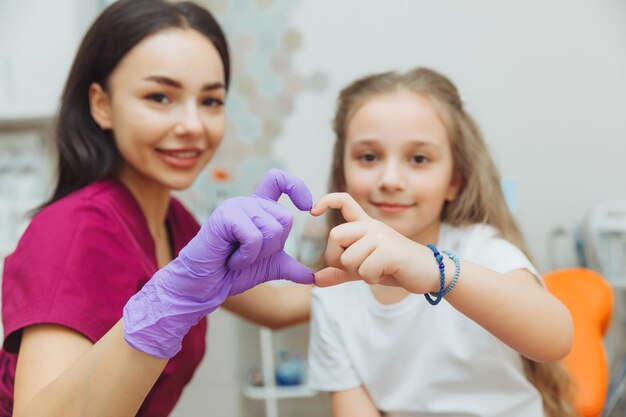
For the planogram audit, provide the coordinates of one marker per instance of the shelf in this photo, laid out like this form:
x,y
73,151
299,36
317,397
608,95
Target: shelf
x,y
271,393
25,123
278,392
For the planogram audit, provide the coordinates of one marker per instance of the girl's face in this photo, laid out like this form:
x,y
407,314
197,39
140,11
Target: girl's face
x,y
165,107
398,163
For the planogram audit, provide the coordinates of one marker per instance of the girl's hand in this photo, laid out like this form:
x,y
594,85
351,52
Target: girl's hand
x,y
367,249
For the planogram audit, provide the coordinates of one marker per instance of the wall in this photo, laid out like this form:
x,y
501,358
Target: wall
x,y
545,80
38,39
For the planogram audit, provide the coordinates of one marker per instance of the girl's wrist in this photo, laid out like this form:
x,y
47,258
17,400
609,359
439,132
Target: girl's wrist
x,y
450,268
446,272
449,274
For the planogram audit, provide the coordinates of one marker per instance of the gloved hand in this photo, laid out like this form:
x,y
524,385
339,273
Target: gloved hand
x,y
239,247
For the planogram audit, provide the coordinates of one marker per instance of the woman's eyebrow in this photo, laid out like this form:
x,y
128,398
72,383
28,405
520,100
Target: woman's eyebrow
x,y
160,79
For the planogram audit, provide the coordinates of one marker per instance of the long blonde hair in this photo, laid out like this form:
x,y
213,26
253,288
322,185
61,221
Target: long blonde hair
x,y
480,198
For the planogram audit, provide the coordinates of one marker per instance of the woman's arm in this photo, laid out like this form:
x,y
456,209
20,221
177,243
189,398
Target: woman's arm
x,y
60,373
273,307
112,377
354,402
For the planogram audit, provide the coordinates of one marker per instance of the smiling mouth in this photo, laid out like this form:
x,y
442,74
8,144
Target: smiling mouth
x,y
182,154
180,158
392,207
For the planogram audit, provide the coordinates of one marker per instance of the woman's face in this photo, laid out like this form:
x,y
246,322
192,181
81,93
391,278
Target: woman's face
x,y
165,107
398,163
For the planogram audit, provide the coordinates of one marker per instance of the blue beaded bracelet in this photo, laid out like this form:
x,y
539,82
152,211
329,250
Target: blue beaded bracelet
x,y
442,276
457,270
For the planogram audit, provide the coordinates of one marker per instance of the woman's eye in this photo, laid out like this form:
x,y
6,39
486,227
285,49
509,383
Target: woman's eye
x,y
213,102
367,157
419,159
159,98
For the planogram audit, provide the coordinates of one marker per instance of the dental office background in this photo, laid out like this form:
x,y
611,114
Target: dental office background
x,y
546,81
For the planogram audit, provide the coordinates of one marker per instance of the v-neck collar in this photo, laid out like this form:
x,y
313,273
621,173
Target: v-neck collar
x,y
140,228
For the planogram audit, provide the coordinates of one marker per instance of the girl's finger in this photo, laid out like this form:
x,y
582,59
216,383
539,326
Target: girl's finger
x,y
350,209
346,234
341,237
372,269
357,253
333,276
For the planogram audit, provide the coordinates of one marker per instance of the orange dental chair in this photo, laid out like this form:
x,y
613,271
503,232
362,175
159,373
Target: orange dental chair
x,y
589,298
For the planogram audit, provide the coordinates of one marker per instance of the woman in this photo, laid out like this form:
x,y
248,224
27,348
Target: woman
x,y
141,115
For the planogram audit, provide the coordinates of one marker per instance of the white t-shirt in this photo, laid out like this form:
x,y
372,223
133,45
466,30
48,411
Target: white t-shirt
x,y
415,359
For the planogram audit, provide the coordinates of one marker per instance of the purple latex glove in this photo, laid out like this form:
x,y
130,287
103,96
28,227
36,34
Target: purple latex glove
x,y
239,247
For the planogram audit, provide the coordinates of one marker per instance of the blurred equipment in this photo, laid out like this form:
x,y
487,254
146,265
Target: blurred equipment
x,y
604,240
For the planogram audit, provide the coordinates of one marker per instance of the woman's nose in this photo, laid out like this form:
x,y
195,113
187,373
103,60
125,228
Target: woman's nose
x,y
189,123
391,178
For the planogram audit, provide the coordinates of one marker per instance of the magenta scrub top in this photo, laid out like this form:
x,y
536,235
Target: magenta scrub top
x,y
77,264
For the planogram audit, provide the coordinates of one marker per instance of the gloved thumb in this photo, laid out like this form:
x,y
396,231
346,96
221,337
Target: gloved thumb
x,y
288,268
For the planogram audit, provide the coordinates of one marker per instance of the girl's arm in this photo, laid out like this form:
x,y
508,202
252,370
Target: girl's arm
x,y
60,373
354,402
515,309
273,307
512,306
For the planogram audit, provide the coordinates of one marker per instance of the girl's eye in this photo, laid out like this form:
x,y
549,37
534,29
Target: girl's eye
x,y
159,98
419,159
212,102
367,157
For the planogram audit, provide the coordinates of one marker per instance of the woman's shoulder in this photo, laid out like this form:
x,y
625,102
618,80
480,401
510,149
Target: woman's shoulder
x,y
103,210
99,196
75,249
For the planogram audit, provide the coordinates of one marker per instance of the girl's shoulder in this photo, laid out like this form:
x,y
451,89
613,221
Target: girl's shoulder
x,y
467,239
476,242
484,245
467,231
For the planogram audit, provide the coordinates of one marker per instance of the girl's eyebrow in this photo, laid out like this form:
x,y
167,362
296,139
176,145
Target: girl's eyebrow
x,y
160,79
414,142
420,143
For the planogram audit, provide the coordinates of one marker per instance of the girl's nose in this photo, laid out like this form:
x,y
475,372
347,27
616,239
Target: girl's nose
x,y
189,123
391,178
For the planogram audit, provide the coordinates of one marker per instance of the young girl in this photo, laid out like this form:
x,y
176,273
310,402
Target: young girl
x,y
415,171
141,114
